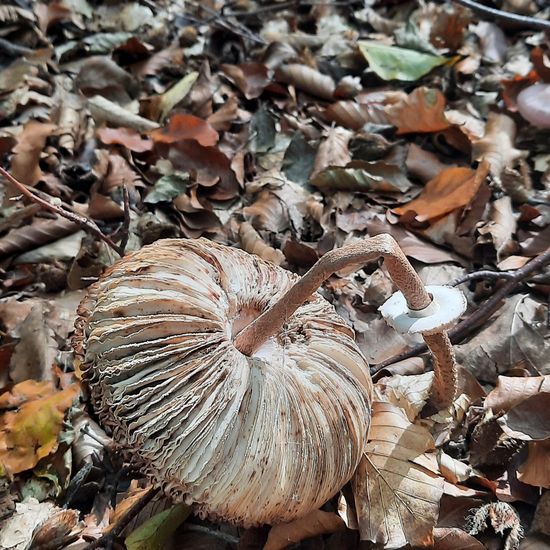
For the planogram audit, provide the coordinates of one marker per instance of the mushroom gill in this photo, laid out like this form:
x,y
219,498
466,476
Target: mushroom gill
x,y
258,438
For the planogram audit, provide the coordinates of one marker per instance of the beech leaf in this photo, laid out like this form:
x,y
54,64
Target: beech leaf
x,y
396,486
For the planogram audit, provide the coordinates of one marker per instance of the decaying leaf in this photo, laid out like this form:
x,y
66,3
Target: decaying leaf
x,y
183,126
512,390
314,524
307,79
31,432
397,487
421,111
252,242
497,145
333,151
453,188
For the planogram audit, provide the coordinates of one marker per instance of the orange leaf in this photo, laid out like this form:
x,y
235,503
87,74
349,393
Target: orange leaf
x,y
183,126
451,189
130,138
421,111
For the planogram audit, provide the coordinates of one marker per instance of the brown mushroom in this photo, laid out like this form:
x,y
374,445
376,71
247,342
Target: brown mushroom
x,y
230,381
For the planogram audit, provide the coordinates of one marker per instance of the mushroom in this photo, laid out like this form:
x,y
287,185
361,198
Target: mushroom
x,y
229,380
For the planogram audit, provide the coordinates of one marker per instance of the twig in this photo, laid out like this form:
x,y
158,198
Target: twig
x,y
494,303
483,274
82,221
512,18
126,518
125,230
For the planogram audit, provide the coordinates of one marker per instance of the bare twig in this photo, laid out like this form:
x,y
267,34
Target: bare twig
x,y
125,231
523,21
494,303
126,518
483,274
63,211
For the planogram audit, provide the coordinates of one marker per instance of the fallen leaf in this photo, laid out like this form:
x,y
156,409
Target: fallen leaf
x,y
354,116
251,78
104,110
31,432
393,63
422,111
183,126
27,151
500,228
359,175
333,151
167,101
307,79
536,468
396,486
167,188
528,420
513,337
253,243
313,524
452,538
453,188
128,137
512,390
156,532
497,145
299,159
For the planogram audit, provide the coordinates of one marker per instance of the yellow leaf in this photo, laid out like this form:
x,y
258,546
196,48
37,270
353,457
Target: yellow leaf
x,y
30,433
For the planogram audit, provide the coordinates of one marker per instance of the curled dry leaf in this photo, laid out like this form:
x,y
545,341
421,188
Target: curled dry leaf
x,y
333,151
534,471
130,138
421,111
396,486
500,228
453,188
29,237
528,420
183,126
497,145
253,243
225,116
27,151
354,116
314,524
104,110
31,432
267,212
307,79
251,78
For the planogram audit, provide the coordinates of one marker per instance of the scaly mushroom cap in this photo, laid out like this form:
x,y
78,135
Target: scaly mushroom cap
x,y
260,439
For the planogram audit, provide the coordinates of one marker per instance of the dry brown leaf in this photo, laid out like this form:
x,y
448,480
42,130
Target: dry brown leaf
x,y
104,110
333,151
396,486
251,78
453,538
307,79
536,469
183,126
267,212
128,137
314,524
497,145
36,234
423,164
453,188
512,390
500,228
48,14
354,116
225,116
253,243
30,433
514,337
422,111
26,154
528,420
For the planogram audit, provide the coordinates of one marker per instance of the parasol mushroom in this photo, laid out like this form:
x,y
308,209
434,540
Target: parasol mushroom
x,y
231,382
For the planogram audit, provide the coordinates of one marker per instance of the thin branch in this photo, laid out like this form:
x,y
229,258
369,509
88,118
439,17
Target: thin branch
x,y
126,518
125,231
523,21
63,211
483,274
493,304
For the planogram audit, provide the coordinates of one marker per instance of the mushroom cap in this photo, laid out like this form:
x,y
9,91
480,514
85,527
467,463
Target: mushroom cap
x,y
260,439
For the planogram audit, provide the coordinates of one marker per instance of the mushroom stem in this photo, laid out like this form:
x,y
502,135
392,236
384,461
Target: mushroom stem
x,y
445,384
355,255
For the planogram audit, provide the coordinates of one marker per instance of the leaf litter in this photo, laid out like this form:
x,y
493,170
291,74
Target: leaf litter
x,y
286,131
